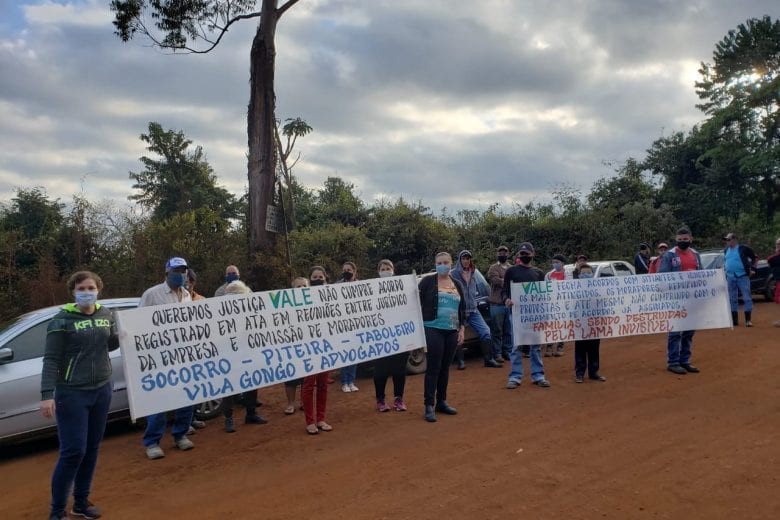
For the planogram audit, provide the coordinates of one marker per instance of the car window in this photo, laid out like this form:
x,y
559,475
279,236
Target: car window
x,y
30,343
606,270
621,269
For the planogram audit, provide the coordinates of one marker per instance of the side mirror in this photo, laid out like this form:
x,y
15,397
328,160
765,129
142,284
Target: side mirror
x,y
6,355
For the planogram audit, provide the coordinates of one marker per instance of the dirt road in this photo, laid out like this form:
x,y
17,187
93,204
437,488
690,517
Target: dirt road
x,y
644,444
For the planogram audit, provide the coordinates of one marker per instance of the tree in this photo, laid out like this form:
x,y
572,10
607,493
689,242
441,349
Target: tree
x,y
197,26
741,95
292,130
181,180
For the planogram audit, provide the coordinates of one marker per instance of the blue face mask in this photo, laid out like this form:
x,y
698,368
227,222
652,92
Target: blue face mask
x,y
231,277
85,298
442,269
176,280
586,275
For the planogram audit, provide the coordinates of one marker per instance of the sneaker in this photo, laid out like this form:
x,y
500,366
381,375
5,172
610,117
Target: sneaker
x,y
346,389
58,516
353,388
312,429
748,323
543,383
198,425
399,404
578,379
598,377
511,385
229,426
676,369
690,368
492,363
322,425
381,406
559,352
183,443
547,352
255,419
154,452
191,430
461,365
88,510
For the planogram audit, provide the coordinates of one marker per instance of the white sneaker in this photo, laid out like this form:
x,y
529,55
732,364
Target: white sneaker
x,y
346,389
154,452
353,388
183,443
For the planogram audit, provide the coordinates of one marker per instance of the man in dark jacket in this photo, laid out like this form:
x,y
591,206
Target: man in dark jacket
x,y
524,272
740,262
642,259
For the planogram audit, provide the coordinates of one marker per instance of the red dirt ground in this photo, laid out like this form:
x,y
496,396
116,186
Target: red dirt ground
x,y
645,444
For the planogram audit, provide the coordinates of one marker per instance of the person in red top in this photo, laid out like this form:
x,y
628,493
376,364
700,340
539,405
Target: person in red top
x,y
682,257
557,273
655,262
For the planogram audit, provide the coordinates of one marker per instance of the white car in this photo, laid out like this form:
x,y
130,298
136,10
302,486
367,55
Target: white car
x,y
605,268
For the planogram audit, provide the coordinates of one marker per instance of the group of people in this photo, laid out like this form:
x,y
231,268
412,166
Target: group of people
x,y
76,377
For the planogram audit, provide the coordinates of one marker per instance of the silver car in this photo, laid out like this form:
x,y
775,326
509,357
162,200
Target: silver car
x,y
21,360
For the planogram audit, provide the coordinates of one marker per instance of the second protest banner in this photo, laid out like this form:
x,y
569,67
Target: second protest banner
x,y
567,310
182,354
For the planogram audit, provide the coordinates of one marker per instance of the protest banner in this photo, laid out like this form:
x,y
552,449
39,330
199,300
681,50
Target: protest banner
x,y
182,354
568,310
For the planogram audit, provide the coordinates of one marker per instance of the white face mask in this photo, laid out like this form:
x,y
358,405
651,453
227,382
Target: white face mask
x,y
385,274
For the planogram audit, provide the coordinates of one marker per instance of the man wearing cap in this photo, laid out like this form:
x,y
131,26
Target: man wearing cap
x,y
474,287
739,266
500,324
172,290
523,272
231,275
655,261
642,259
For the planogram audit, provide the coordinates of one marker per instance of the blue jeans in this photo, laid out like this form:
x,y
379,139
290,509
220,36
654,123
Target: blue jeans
x,y
477,322
348,374
516,364
155,425
740,285
500,329
678,347
81,422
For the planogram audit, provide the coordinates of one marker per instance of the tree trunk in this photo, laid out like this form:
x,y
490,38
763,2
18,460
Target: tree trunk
x,y
261,122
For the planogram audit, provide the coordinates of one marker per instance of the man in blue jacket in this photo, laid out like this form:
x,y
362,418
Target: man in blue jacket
x,y
739,266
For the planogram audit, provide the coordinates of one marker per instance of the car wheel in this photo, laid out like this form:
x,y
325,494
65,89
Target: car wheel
x,y
209,409
417,362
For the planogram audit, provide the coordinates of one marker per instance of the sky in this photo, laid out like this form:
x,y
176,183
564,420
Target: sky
x,y
454,103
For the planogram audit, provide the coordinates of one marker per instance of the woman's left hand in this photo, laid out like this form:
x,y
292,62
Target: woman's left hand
x,y
461,335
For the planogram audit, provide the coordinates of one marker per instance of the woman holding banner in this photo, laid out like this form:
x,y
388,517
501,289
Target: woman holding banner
x,y
76,389
319,381
394,365
444,317
348,374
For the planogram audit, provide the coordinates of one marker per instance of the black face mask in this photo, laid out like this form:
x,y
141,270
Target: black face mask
x,y
501,258
683,244
346,275
316,282
525,259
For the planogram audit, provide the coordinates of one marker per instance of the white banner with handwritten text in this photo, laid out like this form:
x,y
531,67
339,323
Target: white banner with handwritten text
x,y
567,310
183,354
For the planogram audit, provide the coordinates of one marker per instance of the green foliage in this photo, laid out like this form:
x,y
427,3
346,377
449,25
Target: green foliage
x,y
330,246
181,181
741,96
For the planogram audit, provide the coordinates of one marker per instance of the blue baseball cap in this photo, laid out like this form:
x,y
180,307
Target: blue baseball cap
x,y
175,262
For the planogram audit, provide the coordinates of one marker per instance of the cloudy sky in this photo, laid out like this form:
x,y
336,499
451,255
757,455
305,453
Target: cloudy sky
x,y
456,103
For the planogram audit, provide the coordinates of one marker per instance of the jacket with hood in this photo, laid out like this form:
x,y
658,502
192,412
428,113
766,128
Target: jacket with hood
x,y
476,289
77,346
